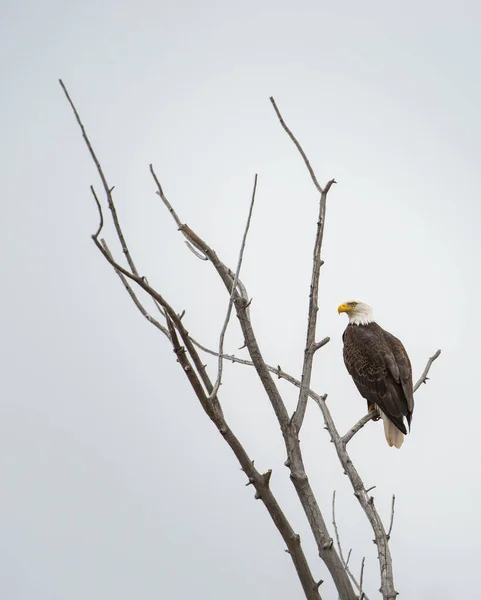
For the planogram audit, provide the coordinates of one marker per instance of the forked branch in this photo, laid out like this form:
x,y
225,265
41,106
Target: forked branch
x,y
260,481
294,455
311,346
108,190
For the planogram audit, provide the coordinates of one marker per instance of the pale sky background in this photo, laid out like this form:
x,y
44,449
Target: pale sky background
x,y
114,484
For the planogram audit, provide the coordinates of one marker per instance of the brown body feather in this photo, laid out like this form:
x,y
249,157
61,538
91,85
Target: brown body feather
x,y
381,370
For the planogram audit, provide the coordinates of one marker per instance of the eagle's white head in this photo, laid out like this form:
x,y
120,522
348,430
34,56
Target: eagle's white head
x,y
359,313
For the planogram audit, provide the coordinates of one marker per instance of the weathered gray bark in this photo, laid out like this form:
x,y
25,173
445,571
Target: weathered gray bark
x,y
185,349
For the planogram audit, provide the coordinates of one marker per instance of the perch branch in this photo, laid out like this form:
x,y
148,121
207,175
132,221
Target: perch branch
x,y
367,503
370,415
359,425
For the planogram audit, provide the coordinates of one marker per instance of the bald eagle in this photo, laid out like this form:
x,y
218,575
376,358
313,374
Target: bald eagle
x,y
380,368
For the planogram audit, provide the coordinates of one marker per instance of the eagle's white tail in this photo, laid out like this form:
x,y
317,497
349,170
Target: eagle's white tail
x,y
394,437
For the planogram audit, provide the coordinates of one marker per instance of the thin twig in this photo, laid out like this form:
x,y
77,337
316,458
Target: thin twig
x,y
298,146
107,188
157,305
280,374
348,556
233,293
311,346
424,376
392,517
339,547
160,192
169,311
135,299
322,343
362,595
196,252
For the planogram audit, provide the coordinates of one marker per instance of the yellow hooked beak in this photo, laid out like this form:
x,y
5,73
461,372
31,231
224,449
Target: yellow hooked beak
x,y
343,308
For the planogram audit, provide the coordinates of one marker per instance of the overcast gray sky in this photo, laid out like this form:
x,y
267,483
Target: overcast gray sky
x,y
114,483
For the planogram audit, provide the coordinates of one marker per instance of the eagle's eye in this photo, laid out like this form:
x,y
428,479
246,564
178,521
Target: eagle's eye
x,y
353,304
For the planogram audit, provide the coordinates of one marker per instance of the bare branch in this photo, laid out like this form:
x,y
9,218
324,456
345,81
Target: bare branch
x,y
196,252
294,455
362,595
169,311
298,146
233,293
359,425
367,503
320,344
157,305
259,481
243,361
298,416
160,192
424,376
339,547
295,461
108,190
135,299
213,410
189,360
101,216
348,556
300,412
392,517
373,413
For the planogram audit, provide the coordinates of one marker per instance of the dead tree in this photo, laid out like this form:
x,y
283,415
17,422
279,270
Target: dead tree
x,y
187,351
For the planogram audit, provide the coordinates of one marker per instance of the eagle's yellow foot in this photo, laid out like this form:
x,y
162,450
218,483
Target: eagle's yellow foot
x,y
373,408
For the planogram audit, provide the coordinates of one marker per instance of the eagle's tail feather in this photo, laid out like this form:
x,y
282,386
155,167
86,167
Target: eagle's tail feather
x,y
394,437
